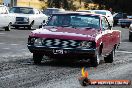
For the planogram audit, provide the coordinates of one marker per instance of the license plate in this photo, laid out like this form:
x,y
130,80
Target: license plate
x,y
58,51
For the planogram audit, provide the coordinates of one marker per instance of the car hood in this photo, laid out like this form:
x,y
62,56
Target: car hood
x,y
66,33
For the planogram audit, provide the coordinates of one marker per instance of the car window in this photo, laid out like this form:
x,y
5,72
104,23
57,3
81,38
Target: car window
x,y
37,11
105,23
118,16
100,12
22,10
74,21
50,11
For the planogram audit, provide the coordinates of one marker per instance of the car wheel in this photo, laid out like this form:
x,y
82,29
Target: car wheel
x,y
37,58
109,58
122,26
130,36
31,26
40,26
8,28
95,60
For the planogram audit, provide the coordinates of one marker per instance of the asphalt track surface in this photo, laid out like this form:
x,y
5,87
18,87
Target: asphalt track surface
x,y
18,71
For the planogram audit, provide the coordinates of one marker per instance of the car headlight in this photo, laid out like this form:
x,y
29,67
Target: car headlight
x,y
26,19
31,40
85,44
38,42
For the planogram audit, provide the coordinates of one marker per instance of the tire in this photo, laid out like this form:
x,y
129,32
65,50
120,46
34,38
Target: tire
x,y
40,26
95,60
8,28
37,58
109,58
130,36
122,26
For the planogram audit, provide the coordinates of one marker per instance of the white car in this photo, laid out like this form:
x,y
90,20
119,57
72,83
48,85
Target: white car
x,y
50,11
6,19
27,17
130,33
107,13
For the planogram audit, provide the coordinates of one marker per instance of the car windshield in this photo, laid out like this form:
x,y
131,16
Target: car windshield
x,y
22,10
50,11
70,20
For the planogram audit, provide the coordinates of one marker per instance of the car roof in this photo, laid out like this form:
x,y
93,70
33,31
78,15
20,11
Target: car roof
x,y
77,13
2,5
23,7
90,11
53,8
102,10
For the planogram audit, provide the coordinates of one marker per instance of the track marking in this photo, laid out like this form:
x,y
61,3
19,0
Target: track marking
x,y
24,49
2,33
6,48
124,52
14,44
1,43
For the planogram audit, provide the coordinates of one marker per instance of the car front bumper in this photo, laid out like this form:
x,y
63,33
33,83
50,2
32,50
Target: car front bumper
x,y
124,23
21,24
63,52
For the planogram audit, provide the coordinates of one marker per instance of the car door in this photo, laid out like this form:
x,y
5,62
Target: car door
x,y
43,17
3,16
38,17
106,36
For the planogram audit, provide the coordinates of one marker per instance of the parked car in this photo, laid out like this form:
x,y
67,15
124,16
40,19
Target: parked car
x,y
108,15
130,33
27,17
118,16
6,18
102,12
50,11
125,22
75,35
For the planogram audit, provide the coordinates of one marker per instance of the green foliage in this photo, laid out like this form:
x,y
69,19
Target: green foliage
x,y
66,4
116,5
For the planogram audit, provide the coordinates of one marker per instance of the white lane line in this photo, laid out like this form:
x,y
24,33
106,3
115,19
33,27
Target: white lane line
x,y
2,33
24,49
124,52
2,43
6,48
14,44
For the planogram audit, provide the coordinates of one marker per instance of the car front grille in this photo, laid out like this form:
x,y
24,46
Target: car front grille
x,y
19,19
60,43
